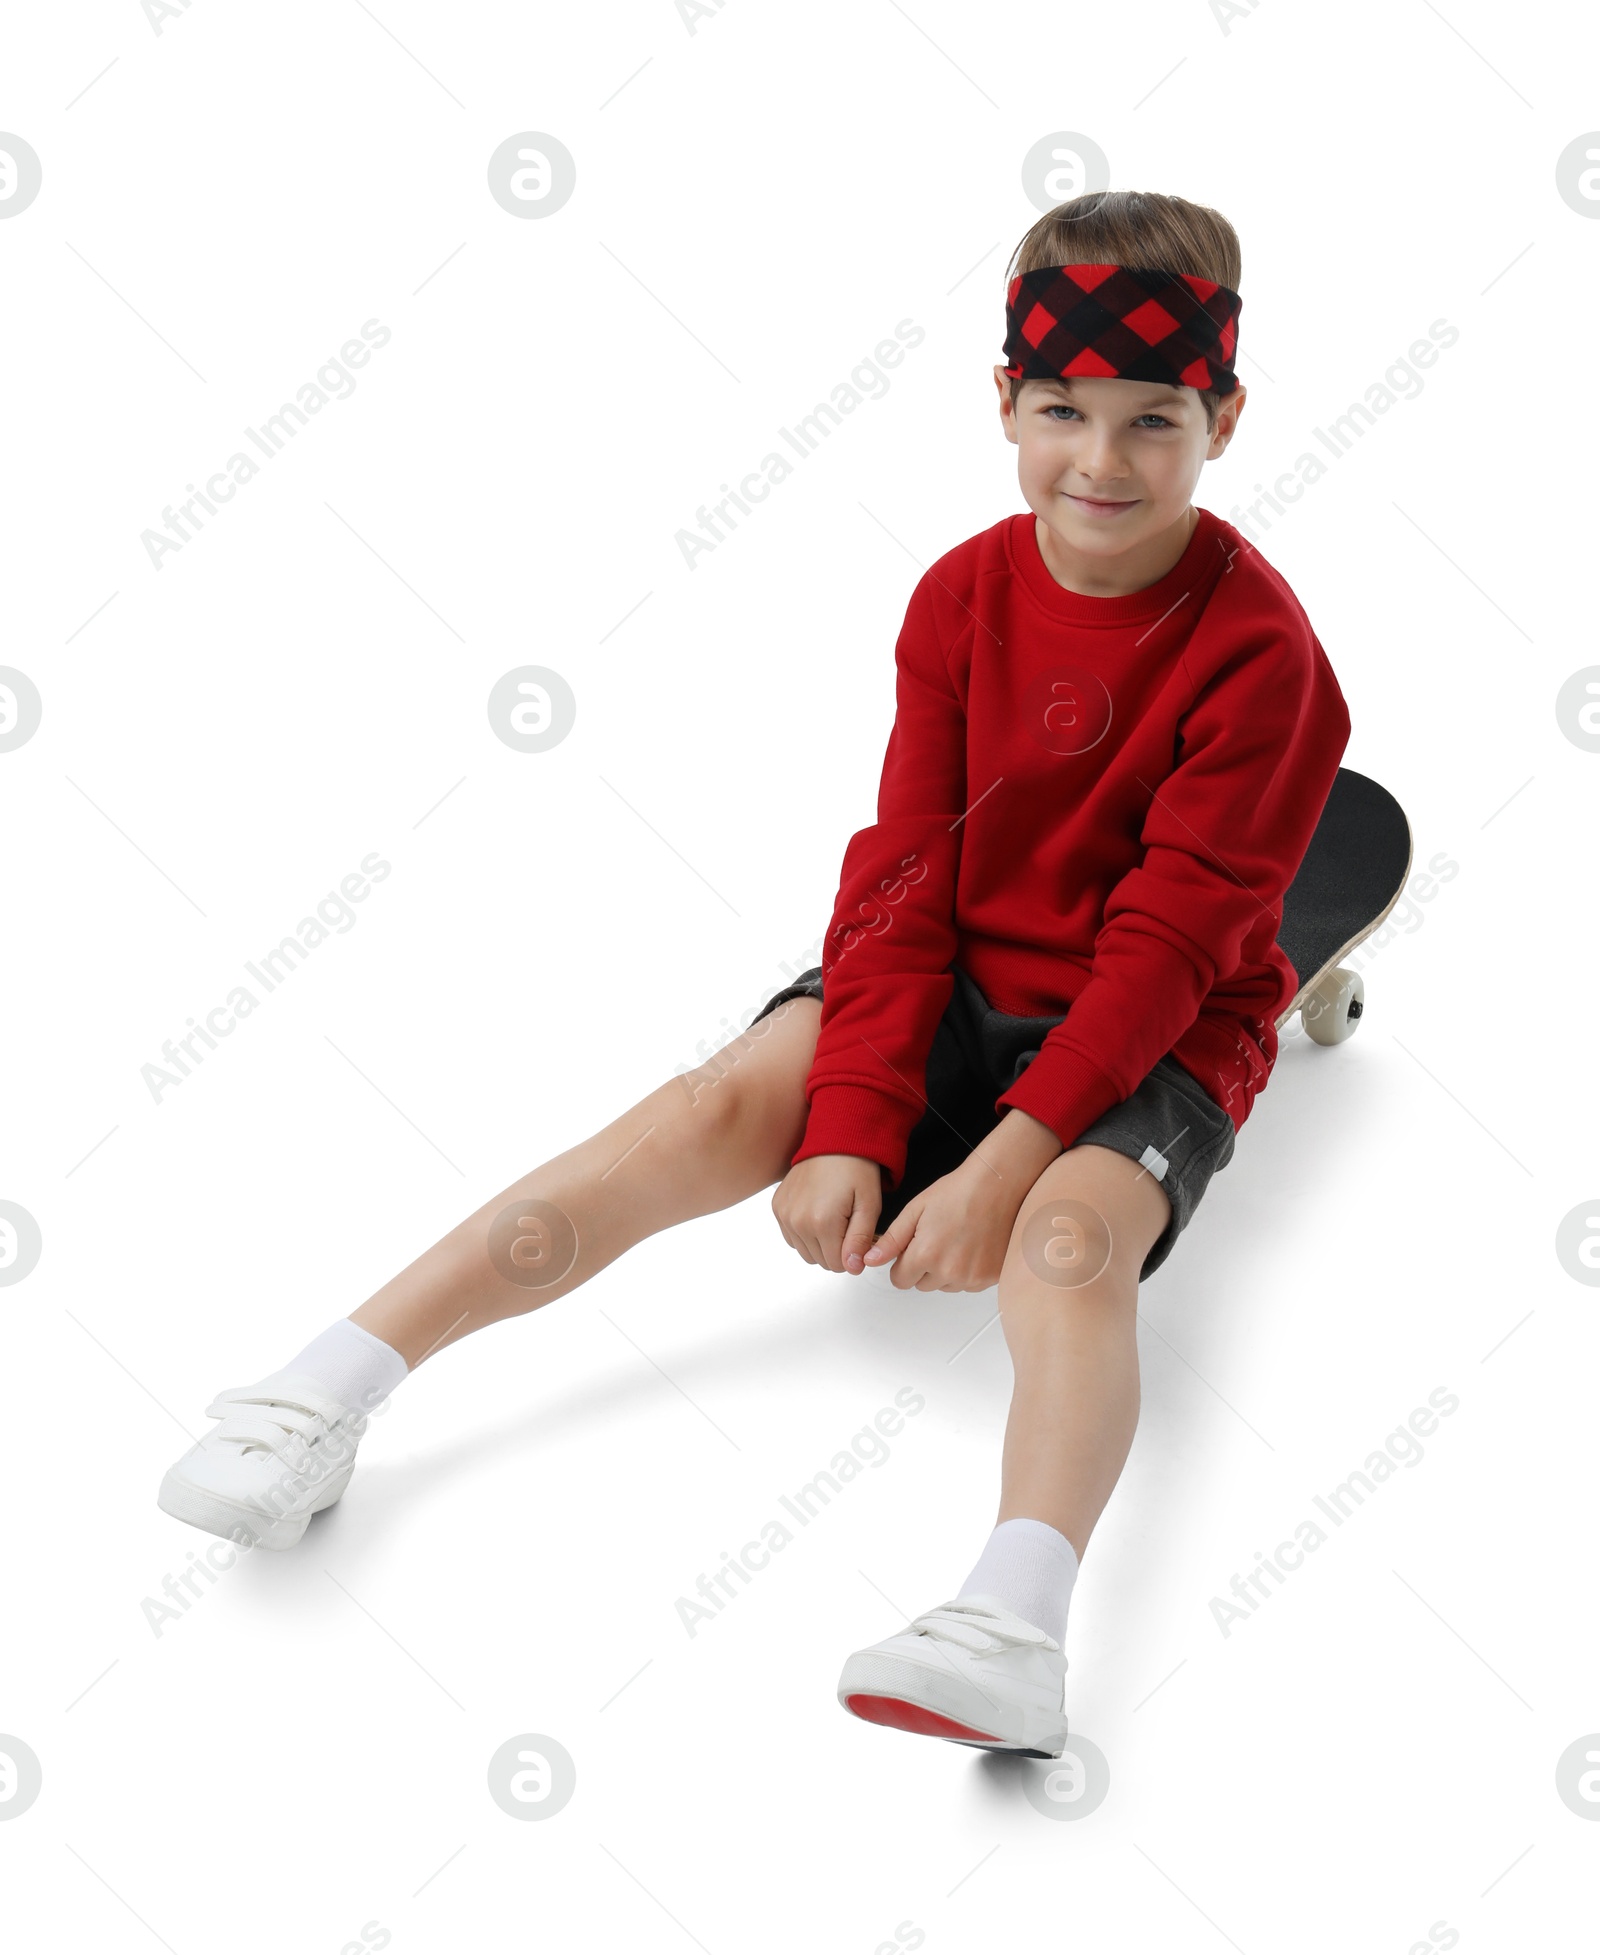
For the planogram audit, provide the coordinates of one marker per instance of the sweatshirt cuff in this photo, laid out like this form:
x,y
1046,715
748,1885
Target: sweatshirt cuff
x,y
846,1119
1065,1090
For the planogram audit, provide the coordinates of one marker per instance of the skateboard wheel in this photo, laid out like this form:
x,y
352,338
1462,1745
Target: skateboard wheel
x,y
1332,1008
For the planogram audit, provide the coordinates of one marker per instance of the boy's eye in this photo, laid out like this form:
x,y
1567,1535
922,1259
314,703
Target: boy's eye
x,y
1060,407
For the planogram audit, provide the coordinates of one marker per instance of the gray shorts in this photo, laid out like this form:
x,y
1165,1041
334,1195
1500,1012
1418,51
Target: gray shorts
x,y
1169,1123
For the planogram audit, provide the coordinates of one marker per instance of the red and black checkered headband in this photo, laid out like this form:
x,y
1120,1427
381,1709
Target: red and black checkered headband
x,y
1114,322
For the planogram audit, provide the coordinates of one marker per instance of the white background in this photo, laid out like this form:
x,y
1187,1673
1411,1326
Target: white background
x,y
303,1752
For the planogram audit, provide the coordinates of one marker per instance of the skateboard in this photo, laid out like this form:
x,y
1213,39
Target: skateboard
x,y
1353,874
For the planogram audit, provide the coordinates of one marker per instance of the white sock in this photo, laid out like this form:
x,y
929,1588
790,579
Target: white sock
x,y
1031,1568
350,1364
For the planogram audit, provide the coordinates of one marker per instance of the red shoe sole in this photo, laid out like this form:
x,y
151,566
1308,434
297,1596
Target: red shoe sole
x,y
902,1716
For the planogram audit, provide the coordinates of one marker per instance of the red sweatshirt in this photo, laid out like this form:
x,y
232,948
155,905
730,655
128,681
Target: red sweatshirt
x,y
1094,802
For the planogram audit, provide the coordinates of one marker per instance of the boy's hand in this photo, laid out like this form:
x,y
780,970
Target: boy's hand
x,y
954,1235
827,1206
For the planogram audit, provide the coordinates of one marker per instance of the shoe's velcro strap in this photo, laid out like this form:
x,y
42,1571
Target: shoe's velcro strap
x,y
280,1422
288,1446
298,1412
305,1404
979,1629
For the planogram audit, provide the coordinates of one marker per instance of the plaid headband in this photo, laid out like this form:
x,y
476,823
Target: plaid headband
x,y
1118,323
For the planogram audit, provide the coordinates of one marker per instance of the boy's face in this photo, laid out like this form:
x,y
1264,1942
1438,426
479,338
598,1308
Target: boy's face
x,y
1109,465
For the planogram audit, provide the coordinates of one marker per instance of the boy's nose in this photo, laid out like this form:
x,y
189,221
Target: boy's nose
x,y
1101,466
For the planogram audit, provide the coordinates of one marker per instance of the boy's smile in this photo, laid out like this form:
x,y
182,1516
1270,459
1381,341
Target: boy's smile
x,y
1108,467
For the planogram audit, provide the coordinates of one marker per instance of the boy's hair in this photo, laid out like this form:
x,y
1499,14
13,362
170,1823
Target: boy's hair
x,y
1138,228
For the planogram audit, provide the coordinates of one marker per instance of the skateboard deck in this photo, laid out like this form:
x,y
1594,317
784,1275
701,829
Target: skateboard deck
x,y
1351,878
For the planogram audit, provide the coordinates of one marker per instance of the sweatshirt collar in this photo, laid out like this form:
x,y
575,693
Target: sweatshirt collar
x,y
1072,607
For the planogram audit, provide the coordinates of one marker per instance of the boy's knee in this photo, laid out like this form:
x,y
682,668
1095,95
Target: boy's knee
x,y
1089,1219
1063,1238
706,1097
748,1096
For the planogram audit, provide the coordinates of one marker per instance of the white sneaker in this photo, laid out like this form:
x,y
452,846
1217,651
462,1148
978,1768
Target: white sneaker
x,y
283,1452
969,1671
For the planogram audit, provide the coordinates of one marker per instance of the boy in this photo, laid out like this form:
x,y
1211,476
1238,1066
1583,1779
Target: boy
x,y
1049,988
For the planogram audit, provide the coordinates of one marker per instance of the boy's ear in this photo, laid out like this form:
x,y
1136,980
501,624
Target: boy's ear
x,y
1227,424
1008,421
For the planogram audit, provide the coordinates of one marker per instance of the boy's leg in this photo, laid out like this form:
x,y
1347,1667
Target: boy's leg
x,y
989,1667
1075,1401
698,1143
